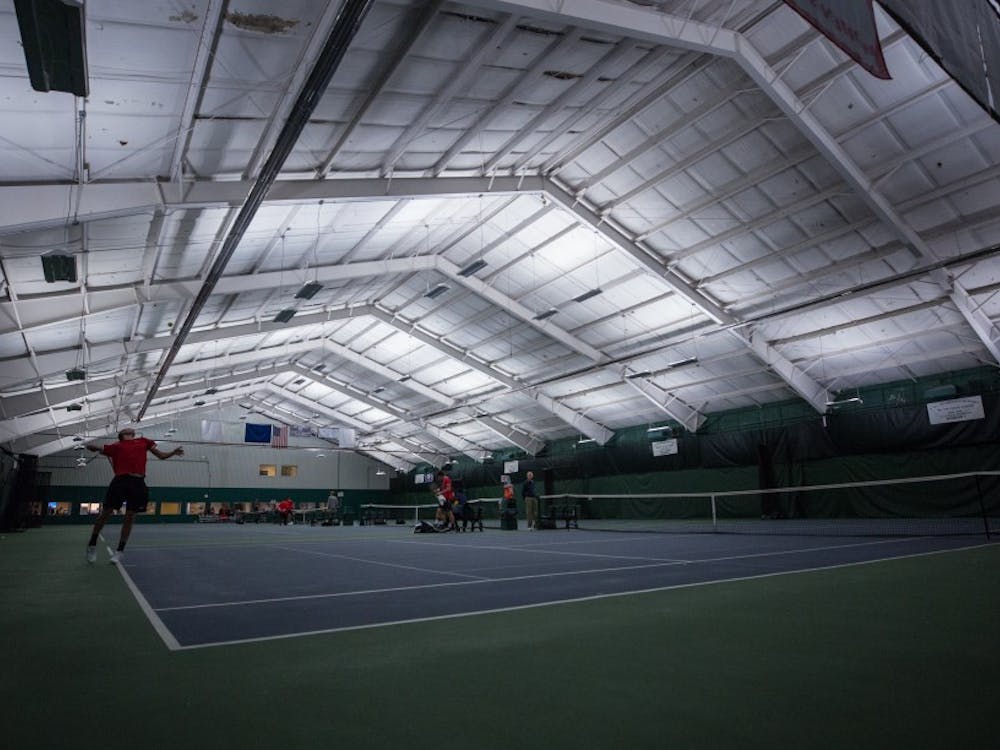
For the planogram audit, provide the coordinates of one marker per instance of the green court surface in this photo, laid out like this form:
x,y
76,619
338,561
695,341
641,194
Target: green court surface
x,y
895,654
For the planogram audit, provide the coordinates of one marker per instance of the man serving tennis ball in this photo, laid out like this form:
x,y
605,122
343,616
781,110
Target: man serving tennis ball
x,y
128,459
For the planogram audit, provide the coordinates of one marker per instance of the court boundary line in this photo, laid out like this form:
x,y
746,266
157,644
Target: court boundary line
x,y
382,563
418,587
654,563
533,548
505,579
575,600
665,563
159,627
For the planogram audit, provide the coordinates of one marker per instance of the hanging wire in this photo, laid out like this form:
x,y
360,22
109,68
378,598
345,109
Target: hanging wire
x,y
281,266
534,283
319,207
597,270
81,158
482,230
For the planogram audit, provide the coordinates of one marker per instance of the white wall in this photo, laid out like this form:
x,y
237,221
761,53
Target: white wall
x,y
320,465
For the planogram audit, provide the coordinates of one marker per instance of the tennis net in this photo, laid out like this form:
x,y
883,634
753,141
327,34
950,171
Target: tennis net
x,y
948,504
486,510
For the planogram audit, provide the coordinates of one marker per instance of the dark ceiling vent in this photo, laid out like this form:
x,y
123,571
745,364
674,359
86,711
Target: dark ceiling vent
x,y
476,265
55,45
308,291
561,75
59,268
588,295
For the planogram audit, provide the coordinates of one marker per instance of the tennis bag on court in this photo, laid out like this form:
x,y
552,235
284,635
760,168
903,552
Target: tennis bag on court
x,y
424,528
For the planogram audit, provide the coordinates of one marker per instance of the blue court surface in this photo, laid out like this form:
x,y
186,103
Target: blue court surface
x,y
207,585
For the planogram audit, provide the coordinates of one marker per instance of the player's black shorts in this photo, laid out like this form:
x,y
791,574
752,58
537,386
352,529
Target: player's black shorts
x,y
127,489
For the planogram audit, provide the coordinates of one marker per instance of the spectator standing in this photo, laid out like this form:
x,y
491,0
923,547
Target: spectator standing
x,y
530,496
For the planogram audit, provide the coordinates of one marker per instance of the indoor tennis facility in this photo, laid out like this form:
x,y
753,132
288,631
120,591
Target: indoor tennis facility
x,y
484,374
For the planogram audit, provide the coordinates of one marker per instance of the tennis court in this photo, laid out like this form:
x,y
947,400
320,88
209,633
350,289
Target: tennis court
x,y
897,653
231,583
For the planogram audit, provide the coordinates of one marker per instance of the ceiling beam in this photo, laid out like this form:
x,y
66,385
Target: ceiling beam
x,y
668,403
524,314
308,63
346,390
457,442
518,438
587,426
39,206
387,372
410,33
809,125
795,377
483,51
211,19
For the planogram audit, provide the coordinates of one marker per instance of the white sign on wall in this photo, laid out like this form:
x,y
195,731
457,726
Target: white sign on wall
x,y
510,467
665,447
956,410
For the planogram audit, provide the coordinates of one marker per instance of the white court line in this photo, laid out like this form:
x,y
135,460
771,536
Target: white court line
x,y
479,581
380,562
531,548
595,597
159,627
796,550
505,579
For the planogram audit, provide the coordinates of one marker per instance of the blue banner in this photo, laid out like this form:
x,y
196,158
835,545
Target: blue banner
x,y
257,433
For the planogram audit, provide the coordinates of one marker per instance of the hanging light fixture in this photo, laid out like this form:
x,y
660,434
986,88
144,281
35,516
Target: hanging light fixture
x,y
476,265
308,290
437,291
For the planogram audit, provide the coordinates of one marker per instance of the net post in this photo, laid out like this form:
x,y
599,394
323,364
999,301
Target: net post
x,y
982,508
714,517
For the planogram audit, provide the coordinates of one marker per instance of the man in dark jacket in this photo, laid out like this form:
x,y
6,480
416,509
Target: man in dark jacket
x,y
530,496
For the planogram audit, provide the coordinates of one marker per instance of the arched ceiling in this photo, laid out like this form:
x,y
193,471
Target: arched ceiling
x,y
527,220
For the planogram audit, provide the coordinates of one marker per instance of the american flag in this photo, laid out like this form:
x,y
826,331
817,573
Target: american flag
x,y
279,436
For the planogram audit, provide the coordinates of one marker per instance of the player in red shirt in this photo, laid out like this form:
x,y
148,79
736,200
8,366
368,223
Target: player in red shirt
x,y
445,513
285,508
128,459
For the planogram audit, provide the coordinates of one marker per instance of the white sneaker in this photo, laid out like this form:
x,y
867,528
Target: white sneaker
x,y
91,554
117,558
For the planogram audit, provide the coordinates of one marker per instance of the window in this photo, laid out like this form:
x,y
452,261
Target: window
x,y
170,509
196,509
289,471
268,470
90,509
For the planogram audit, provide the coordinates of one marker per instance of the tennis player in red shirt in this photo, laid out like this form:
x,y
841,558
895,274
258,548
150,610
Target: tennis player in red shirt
x,y
128,459
285,508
